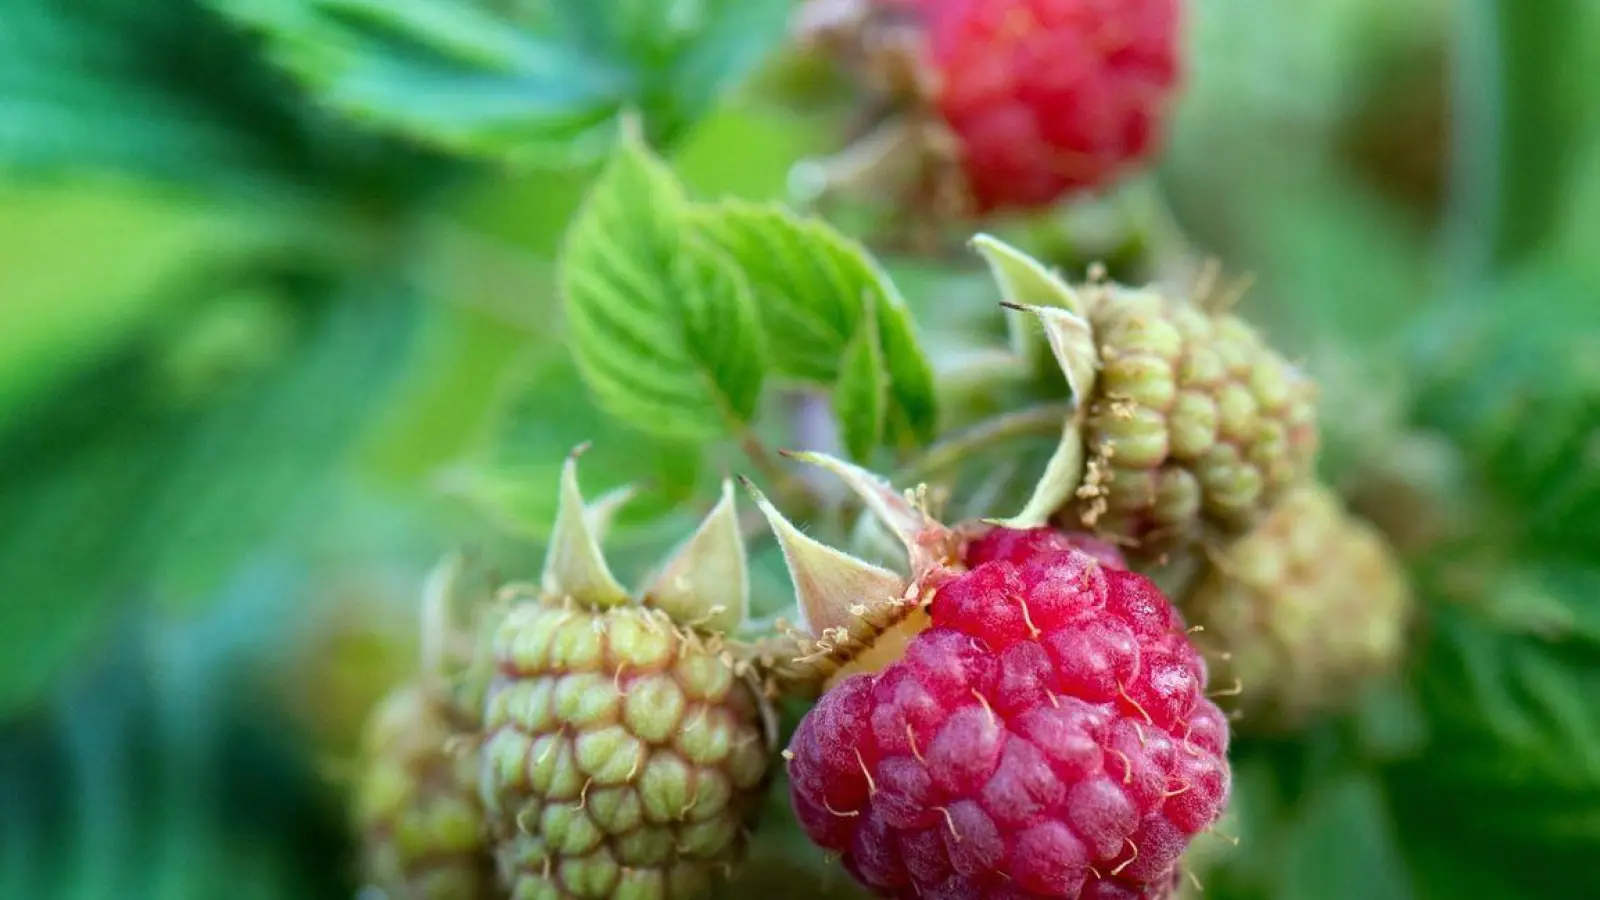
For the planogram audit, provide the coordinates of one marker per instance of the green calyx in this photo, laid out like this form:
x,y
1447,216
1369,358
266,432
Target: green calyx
x,y
704,584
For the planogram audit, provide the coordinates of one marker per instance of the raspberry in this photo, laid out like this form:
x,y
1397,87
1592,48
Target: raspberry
x,y
624,747
417,803
1027,101
1046,737
1192,426
1048,97
1302,611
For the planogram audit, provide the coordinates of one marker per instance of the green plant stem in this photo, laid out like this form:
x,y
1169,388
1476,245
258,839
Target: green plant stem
x,y
1044,420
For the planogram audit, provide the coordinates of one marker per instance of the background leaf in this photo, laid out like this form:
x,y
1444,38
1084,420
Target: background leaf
x,y
544,413
168,90
662,325
1513,776
1521,123
542,84
114,496
1344,846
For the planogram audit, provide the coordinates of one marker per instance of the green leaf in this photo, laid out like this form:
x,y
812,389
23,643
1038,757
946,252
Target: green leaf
x,y
545,413
115,783
59,316
915,410
541,86
661,321
1343,845
860,399
171,91
1513,381
94,84
444,74
1522,74
815,289
1512,777
118,493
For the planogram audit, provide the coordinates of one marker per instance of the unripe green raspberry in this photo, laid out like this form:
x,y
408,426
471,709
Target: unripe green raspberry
x,y
1185,426
1302,610
624,746
417,804
1195,425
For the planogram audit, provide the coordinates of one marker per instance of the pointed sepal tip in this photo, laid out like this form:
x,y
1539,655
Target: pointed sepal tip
x,y
575,566
832,588
705,582
903,518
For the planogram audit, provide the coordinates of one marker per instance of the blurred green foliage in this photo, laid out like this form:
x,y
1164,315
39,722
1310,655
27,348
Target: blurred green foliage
x,y
281,309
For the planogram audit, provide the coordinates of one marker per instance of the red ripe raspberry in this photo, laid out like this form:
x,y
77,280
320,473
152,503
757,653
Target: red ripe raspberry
x,y
1046,97
1047,737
